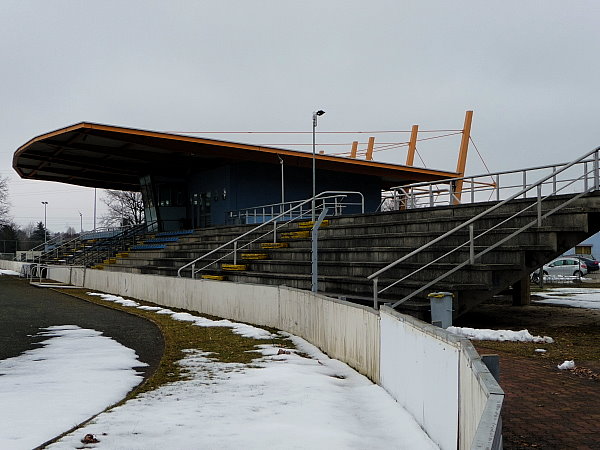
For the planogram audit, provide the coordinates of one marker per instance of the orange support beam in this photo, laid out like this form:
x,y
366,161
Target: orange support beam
x,y
462,156
370,148
412,146
354,149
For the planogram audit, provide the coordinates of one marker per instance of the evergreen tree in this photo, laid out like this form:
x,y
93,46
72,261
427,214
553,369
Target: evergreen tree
x,y
9,238
39,234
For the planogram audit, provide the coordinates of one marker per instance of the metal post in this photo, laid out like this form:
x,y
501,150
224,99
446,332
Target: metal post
x,y
472,190
539,205
193,271
471,244
314,188
314,253
94,209
274,231
235,252
375,293
45,226
524,183
585,176
314,185
596,174
498,187
431,195
282,182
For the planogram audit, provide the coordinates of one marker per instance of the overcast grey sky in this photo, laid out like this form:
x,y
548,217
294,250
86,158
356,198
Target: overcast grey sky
x,y
529,70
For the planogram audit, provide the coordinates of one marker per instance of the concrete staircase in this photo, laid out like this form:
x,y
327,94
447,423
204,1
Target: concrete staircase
x,y
353,247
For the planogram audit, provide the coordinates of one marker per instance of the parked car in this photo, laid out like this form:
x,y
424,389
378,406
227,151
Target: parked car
x,y
590,262
588,259
565,266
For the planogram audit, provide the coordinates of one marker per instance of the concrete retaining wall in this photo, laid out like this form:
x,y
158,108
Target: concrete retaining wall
x,y
436,376
419,368
11,265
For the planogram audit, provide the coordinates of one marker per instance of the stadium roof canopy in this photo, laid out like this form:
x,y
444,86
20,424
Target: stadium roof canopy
x,y
112,157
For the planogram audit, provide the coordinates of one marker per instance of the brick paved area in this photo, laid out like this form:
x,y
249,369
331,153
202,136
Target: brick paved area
x,y
547,408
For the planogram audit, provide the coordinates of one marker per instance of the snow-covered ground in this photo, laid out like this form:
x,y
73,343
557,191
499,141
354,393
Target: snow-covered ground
x,y
568,296
485,334
8,272
75,374
283,400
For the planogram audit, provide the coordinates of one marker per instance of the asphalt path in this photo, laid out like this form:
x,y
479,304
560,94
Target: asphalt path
x,y
25,310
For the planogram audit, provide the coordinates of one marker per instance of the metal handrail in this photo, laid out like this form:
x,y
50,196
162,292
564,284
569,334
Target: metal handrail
x,y
595,186
268,211
99,249
108,246
322,195
409,194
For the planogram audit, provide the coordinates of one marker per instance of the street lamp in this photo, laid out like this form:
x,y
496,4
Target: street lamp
x,y
316,114
45,226
282,182
81,220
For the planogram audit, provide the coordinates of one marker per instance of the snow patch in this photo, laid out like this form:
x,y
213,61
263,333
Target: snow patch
x,y
9,272
75,374
499,335
567,365
282,401
575,297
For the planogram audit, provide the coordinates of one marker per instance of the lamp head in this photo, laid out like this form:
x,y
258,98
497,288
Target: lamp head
x,y
319,112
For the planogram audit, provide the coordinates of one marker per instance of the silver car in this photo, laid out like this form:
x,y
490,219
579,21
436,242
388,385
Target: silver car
x,y
566,267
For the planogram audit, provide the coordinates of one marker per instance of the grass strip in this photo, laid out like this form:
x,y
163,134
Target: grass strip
x,y
225,345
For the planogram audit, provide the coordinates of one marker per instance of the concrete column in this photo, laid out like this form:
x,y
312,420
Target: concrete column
x,y
521,292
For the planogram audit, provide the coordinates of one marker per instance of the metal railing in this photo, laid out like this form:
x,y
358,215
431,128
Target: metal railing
x,y
484,187
86,254
546,187
336,203
107,247
278,221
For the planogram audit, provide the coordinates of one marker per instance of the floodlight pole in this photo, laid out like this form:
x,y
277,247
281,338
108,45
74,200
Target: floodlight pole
x,y
282,182
314,156
81,220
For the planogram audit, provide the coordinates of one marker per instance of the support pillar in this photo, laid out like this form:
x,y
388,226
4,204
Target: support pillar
x,y
412,146
521,292
370,146
354,149
462,157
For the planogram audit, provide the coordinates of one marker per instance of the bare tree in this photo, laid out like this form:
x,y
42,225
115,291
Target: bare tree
x,y
4,204
124,208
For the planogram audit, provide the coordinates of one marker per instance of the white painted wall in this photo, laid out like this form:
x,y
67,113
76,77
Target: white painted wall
x,y
11,265
419,368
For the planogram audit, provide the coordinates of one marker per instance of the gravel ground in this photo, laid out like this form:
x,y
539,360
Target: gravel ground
x,y
545,408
